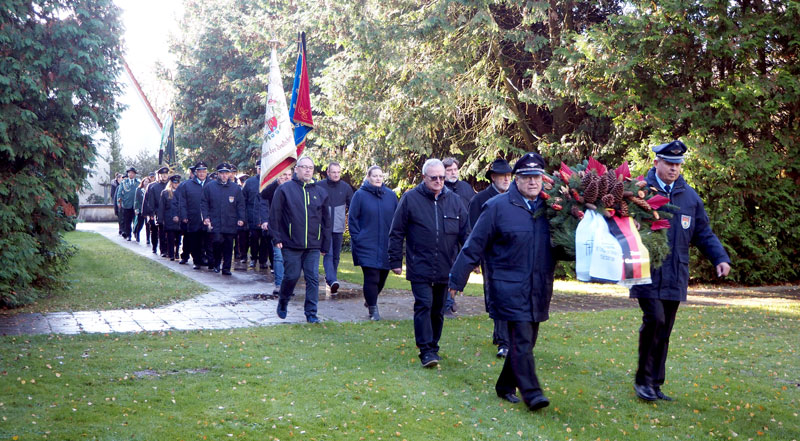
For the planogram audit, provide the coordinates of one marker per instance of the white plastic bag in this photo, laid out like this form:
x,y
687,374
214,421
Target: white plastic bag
x,y
584,242
606,262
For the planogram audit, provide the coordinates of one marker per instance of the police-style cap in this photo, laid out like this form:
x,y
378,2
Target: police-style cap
x,y
131,169
671,151
191,169
224,167
258,163
175,178
163,170
530,164
152,174
201,165
499,166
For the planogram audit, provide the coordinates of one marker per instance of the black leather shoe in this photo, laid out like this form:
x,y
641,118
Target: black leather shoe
x,y
538,403
183,261
282,309
197,267
510,397
645,392
502,352
313,319
429,361
216,270
226,273
661,395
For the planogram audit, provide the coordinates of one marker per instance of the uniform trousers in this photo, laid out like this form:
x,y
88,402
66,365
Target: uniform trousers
x,y
139,224
657,321
519,369
172,237
259,245
428,315
126,216
500,333
153,234
222,244
162,238
194,242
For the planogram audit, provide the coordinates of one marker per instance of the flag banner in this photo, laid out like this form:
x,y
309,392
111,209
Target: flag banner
x,y
278,150
300,106
168,143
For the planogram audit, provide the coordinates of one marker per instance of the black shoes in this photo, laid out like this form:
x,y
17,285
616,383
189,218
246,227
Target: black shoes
x,y
282,309
429,360
334,287
502,352
226,272
662,395
511,397
373,313
539,402
645,392
313,319
252,264
183,261
197,267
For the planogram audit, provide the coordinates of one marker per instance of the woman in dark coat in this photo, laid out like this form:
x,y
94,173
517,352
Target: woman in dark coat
x,y
170,212
371,210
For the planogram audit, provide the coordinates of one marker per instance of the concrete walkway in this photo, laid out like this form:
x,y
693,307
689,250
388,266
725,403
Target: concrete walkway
x,y
233,302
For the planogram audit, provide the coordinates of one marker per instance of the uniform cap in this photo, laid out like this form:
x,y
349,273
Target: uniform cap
x,y
175,178
201,165
163,170
530,164
224,167
671,151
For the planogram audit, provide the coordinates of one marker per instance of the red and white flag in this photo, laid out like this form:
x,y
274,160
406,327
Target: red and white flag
x,y
278,150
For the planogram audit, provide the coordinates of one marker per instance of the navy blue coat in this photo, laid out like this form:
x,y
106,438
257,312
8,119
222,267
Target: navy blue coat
x,y
370,218
191,192
224,205
476,204
252,201
152,199
299,216
517,255
434,230
688,226
170,208
463,189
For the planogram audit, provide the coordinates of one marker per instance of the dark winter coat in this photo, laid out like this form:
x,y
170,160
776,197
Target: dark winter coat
x,y
518,259
370,218
688,226
299,216
169,209
477,202
463,189
152,199
113,190
433,228
339,195
252,201
191,193
223,204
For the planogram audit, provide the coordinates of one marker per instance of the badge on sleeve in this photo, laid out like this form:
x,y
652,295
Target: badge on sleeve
x,y
231,198
686,221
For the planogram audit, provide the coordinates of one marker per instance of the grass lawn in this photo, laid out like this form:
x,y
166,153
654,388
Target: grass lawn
x,y
349,273
734,372
103,276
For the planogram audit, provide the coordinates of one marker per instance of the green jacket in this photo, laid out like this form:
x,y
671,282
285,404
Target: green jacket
x,y
126,192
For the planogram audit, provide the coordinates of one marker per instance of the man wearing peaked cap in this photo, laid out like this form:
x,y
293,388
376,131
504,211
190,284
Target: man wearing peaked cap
x,y
660,299
196,239
500,176
222,207
151,208
519,265
126,196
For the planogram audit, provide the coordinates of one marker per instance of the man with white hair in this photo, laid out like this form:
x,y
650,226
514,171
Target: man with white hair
x,y
433,222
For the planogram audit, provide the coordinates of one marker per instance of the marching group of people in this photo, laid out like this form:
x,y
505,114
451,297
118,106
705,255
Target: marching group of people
x,y
443,229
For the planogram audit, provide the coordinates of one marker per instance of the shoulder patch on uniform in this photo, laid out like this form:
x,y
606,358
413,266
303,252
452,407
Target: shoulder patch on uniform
x,y
686,221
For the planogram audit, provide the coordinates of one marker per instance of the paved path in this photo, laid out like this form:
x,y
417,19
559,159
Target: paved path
x,y
232,303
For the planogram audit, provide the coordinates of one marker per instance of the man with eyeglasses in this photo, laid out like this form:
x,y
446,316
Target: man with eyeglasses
x,y
514,246
300,222
433,222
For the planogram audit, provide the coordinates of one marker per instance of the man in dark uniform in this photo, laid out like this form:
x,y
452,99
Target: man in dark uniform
x,y
432,220
257,240
500,176
126,196
660,299
222,207
152,202
301,228
185,249
191,193
114,185
519,267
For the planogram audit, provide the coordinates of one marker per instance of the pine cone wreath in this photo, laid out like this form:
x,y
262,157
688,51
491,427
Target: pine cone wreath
x,y
592,190
619,189
608,200
623,210
586,179
641,203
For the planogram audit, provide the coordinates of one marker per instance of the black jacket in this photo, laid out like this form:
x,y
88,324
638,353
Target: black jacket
x,y
224,205
170,208
433,228
299,217
191,193
339,195
252,201
688,226
476,204
114,185
463,189
152,199
517,255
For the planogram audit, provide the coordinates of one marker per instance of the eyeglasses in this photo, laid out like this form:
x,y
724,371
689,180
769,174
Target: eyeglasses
x,y
306,167
435,178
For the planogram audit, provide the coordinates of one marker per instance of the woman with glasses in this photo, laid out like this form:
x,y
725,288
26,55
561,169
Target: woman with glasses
x,y
370,218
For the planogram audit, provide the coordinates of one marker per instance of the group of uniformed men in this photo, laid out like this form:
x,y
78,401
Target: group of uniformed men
x,y
445,230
